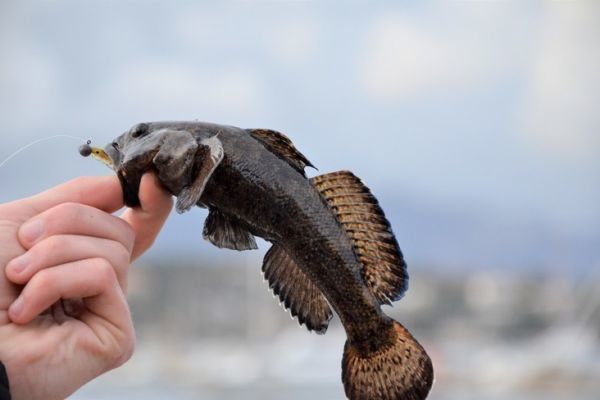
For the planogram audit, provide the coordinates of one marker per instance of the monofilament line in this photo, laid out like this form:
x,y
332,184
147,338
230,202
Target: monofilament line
x,y
36,142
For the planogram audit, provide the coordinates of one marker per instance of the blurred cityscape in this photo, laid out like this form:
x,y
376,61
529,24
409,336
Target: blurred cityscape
x,y
217,333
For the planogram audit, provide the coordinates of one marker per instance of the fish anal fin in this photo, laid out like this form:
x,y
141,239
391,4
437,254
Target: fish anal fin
x,y
280,145
359,213
296,291
228,232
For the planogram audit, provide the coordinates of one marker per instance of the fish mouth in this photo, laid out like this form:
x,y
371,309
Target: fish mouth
x,y
130,180
130,184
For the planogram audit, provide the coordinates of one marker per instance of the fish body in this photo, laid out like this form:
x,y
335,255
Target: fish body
x,y
332,245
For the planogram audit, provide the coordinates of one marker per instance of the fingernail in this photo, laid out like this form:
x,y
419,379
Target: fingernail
x,y
16,307
18,265
32,230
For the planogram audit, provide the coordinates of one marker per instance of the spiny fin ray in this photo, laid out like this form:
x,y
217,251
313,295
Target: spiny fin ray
x,y
280,145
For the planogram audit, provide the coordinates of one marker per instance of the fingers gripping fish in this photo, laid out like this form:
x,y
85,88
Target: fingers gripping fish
x,y
332,245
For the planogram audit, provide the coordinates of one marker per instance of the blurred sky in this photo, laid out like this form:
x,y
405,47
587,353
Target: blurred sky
x,y
476,124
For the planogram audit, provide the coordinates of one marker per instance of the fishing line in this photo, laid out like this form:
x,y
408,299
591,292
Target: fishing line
x,y
38,141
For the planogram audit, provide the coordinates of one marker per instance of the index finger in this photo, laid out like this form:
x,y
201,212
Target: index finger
x,y
102,192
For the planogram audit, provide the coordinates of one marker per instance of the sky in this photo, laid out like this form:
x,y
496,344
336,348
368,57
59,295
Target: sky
x,y
474,123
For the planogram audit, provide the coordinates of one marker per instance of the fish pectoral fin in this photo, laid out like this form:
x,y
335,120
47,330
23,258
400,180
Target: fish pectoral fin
x,y
210,151
357,210
175,156
296,291
174,160
280,145
225,231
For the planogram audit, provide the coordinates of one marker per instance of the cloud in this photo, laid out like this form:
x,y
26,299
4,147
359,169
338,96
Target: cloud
x,y
290,35
29,84
403,57
560,115
546,57
293,42
179,91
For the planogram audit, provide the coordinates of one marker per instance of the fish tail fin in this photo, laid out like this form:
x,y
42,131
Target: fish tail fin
x,y
398,369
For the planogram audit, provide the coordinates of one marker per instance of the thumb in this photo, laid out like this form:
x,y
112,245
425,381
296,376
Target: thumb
x,y
148,219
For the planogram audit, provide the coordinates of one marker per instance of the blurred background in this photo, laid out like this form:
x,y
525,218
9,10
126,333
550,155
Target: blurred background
x,y
475,124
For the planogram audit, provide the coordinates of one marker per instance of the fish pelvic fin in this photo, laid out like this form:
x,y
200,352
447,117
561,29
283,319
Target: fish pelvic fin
x,y
227,232
358,211
399,369
296,291
280,145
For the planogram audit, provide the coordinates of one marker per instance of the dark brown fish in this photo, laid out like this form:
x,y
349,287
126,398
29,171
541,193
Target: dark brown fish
x,y
332,245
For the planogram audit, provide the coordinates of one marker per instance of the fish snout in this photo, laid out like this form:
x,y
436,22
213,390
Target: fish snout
x,y
113,156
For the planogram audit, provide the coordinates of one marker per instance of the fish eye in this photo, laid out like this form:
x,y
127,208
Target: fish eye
x,y
139,130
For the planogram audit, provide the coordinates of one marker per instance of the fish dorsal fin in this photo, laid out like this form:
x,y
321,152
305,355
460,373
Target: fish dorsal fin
x,y
280,145
358,211
297,293
228,232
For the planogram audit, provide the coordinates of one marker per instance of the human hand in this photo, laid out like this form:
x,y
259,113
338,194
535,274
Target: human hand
x,y
65,244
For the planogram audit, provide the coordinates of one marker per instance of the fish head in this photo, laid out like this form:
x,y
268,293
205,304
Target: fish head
x,y
130,155
133,151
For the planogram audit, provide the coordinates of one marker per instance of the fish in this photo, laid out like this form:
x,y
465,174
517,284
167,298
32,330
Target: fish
x,y
333,248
